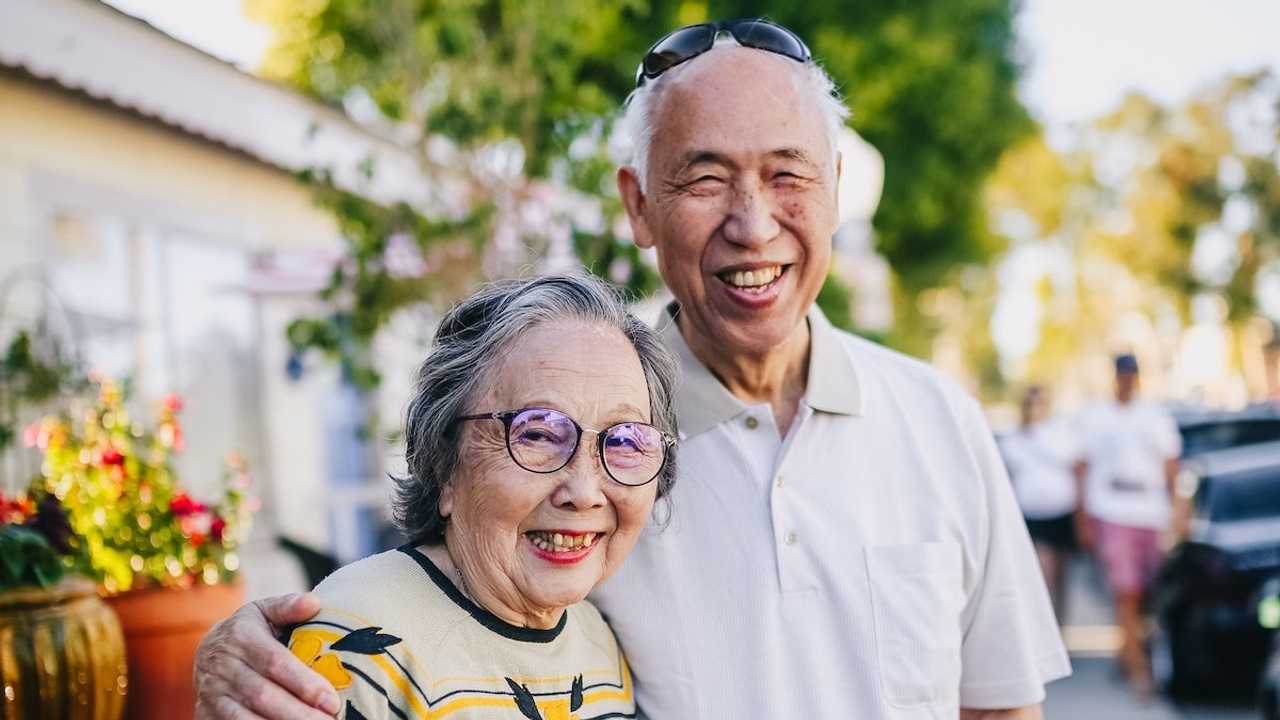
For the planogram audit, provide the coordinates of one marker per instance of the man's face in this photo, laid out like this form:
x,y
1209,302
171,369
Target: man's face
x,y
1126,384
741,201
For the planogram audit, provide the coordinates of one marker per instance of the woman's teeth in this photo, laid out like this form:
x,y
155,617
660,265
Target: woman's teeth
x,y
751,279
556,542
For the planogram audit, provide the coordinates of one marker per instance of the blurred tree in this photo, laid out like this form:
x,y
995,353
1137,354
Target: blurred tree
x,y
531,85
1155,208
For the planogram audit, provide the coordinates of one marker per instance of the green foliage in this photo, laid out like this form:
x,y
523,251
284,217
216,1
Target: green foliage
x,y
27,377
27,558
930,82
836,300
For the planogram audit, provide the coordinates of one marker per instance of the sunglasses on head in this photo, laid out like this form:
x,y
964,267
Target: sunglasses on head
x,y
689,42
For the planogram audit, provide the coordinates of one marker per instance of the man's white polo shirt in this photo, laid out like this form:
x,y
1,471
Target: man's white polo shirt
x,y
872,564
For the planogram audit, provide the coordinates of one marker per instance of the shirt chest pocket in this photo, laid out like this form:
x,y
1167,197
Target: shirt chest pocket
x,y
916,599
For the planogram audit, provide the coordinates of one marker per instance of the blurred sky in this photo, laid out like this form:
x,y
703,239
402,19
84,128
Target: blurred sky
x,y
1081,55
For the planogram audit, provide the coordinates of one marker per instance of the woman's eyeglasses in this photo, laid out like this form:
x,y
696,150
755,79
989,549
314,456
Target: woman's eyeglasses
x,y
691,41
542,440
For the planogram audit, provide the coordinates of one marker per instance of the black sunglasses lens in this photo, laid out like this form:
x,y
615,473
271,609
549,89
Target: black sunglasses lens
x,y
679,46
773,38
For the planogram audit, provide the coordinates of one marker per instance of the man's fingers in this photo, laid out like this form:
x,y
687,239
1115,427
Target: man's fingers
x,y
253,697
285,610
244,673
282,671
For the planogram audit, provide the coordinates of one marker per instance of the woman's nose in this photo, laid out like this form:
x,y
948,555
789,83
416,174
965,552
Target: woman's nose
x,y
582,481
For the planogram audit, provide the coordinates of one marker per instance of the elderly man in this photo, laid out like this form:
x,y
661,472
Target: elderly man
x,y
843,541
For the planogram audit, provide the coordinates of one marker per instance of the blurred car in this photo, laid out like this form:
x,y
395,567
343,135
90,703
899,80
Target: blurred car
x,y
1269,617
1205,598
1207,430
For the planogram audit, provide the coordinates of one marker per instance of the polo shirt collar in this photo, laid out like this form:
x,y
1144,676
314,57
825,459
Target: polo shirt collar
x,y
703,402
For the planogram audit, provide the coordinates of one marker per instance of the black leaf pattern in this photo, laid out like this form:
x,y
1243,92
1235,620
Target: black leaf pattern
x,y
575,695
524,700
366,641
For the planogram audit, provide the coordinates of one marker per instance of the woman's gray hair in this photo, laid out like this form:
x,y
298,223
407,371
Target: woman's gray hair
x,y
471,340
637,122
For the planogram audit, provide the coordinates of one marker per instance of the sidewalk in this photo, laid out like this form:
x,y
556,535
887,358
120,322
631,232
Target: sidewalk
x,y
1094,692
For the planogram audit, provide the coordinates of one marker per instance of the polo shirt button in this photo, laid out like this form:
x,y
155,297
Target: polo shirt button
x,y
751,423
778,481
789,538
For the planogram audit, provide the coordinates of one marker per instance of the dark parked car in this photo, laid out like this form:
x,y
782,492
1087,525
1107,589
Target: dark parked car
x,y
1205,599
1206,430
1269,617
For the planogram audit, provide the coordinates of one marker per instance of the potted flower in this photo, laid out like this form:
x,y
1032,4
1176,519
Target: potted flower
x,y
64,645
165,560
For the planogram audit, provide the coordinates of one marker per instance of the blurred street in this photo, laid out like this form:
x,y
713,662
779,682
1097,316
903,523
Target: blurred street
x,y
1094,691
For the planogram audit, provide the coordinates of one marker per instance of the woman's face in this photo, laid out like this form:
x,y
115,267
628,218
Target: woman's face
x,y
529,543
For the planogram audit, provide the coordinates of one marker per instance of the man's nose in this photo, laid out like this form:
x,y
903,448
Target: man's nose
x,y
751,218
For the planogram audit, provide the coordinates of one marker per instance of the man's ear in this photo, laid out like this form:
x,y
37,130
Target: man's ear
x,y
634,201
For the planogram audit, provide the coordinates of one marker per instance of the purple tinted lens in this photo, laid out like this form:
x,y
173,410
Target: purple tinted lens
x,y
633,452
542,440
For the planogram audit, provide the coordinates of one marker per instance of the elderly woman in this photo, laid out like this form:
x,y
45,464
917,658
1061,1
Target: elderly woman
x,y
539,435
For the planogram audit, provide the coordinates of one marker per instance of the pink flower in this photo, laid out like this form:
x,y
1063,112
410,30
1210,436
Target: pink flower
x,y
171,402
31,435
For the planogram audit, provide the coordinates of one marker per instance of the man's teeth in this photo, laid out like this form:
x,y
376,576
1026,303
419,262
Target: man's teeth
x,y
555,542
754,278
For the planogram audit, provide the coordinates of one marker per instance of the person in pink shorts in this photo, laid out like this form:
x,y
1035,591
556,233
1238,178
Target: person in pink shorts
x,y
1131,458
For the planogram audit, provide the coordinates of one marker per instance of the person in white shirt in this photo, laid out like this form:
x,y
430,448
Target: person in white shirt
x,y
843,541
1131,454
1043,459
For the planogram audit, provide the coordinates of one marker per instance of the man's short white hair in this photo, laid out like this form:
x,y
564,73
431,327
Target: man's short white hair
x,y
636,126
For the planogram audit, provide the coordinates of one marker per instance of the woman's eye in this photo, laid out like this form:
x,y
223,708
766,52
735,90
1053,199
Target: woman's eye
x,y
540,434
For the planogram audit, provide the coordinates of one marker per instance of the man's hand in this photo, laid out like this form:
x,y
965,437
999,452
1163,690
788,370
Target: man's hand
x,y
1029,712
243,672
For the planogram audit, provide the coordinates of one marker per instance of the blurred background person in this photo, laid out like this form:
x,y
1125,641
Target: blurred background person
x,y
1043,458
1131,459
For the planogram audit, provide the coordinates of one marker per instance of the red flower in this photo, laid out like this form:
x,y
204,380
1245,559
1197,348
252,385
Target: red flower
x,y
183,505
15,510
217,527
112,456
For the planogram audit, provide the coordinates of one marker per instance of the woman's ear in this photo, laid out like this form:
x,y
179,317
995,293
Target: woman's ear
x,y
445,506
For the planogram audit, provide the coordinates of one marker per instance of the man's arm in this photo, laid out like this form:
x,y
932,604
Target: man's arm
x,y
1029,712
243,672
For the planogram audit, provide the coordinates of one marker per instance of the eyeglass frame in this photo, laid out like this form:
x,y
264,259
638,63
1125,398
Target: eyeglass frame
x,y
732,27
506,416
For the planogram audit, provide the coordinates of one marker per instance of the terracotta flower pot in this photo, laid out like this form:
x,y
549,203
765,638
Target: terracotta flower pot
x,y
61,654
161,630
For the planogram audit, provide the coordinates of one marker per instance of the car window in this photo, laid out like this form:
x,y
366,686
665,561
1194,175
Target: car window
x,y
1247,496
1204,437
